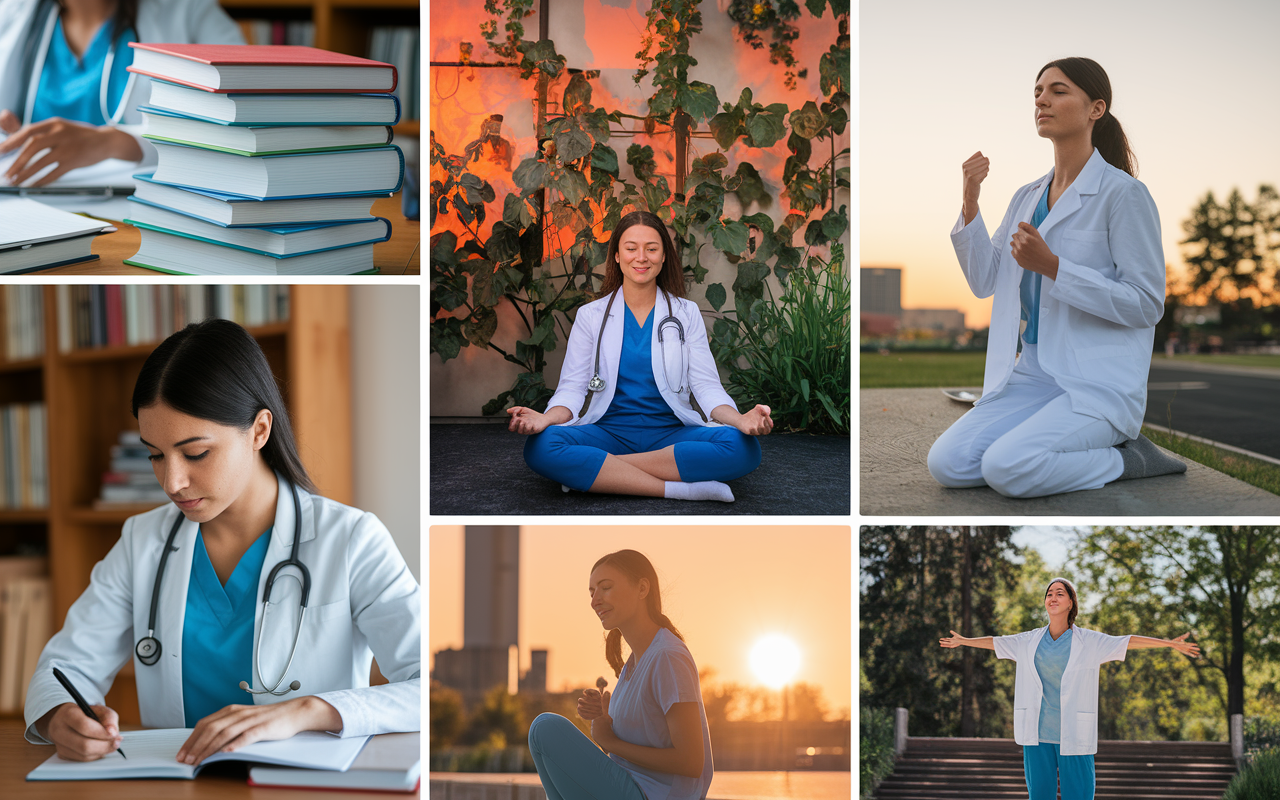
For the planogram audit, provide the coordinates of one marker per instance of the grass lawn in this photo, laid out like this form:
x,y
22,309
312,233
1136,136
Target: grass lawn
x,y
1261,474
1231,359
914,370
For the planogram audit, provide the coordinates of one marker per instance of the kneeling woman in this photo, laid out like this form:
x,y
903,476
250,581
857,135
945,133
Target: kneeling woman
x,y
640,373
653,728
214,595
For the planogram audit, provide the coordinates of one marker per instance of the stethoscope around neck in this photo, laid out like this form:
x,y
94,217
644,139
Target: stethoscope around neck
x,y
597,383
42,54
148,648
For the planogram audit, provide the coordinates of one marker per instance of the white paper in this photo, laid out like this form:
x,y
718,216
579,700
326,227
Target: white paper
x,y
24,221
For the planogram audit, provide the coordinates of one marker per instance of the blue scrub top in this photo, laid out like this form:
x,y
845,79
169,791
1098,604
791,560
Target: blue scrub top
x,y
1029,289
1051,660
217,633
637,403
69,86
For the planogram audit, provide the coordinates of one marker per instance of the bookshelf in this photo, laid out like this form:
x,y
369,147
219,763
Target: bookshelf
x,y
340,25
87,393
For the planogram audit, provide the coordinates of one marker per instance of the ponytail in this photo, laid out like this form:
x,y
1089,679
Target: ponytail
x,y
1108,135
635,566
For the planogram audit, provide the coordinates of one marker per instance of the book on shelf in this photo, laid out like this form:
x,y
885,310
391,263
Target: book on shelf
x,y
391,762
22,307
261,68
153,754
277,109
114,315
130,479
26,621
368,170
184,255
35,236
280,240
167,126
400,45
24,470
233,211
278,31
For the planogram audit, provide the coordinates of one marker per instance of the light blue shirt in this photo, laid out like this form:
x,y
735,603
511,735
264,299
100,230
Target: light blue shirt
x,y
70,87
637,401
1051,661
217,632
1029,289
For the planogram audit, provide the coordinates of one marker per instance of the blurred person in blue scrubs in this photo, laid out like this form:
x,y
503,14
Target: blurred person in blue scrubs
x,y
65,95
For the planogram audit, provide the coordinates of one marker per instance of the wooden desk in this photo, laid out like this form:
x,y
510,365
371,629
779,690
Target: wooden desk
x,y
18,757
400,255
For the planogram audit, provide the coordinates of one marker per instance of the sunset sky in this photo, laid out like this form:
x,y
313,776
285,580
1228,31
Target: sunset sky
x,y
1193,86
723,587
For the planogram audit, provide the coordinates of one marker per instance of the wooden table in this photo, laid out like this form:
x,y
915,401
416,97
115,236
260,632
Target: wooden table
x,y
18,757
400,255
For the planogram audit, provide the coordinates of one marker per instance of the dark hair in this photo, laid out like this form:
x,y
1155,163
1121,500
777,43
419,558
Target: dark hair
x,y
1075,605
671,279
1108,136
215,370
635,566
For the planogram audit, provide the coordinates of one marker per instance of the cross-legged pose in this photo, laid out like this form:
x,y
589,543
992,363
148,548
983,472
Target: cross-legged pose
x,y
652,730
1055,695
1077,269
628,416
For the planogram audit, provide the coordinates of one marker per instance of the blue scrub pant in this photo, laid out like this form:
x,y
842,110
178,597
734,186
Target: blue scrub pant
x,y
573,454
1044,764
571,767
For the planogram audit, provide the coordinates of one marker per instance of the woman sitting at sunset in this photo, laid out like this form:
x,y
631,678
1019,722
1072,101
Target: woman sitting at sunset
x,y
653,729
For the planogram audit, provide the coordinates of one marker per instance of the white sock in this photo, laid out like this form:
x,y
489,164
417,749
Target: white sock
x,y
699,490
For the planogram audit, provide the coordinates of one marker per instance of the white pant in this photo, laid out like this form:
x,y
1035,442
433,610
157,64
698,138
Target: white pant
x,y
1027,442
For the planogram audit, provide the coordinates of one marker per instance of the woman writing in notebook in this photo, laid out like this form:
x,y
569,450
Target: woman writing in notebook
x,y
628,416
64,87
652,729
214,595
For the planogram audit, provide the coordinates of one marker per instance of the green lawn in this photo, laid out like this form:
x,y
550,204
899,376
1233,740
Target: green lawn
x,y
1231,359
1261,474
913,370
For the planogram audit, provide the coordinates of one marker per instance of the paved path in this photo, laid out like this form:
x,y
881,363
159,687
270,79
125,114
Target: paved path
x,y
898,426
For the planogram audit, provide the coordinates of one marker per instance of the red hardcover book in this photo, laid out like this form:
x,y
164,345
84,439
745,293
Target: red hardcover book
x,y
115,315
268,68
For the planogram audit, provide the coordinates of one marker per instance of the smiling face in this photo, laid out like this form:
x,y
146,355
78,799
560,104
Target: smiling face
x,y
1057,600
614,598
640,255
1062,109
203,466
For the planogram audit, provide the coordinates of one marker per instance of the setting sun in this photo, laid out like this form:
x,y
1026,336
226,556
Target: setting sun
x,y
775,660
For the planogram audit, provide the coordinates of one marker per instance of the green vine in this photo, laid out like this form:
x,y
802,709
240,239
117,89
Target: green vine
x,y
516,10
755,17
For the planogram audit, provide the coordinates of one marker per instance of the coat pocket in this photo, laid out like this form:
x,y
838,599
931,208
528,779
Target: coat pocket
x,y
1086,730
1089,249
1019,722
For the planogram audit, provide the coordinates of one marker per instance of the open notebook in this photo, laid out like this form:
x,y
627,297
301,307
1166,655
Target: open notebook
x,y
152,753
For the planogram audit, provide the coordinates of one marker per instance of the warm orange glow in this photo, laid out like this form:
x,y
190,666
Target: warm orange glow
x,y
775,659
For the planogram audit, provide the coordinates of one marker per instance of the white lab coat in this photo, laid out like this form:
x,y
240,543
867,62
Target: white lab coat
x,y
1079,704
1097,319
364,602
181,21
579,361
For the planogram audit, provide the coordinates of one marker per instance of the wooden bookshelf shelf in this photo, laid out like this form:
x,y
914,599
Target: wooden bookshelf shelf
x,y
87,393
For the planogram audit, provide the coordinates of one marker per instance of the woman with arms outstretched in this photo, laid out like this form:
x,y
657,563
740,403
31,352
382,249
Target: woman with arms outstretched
x,y
1077,272
651,733
627,417
1055,696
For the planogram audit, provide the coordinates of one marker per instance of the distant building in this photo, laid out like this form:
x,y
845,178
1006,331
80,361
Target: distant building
x,y
941,321
534,680
882,291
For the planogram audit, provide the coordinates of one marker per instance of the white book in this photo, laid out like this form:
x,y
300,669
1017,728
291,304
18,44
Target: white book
x,y
33,235
276,109
258,140
235,211
167,252
391,762
153,754
277,240
371,169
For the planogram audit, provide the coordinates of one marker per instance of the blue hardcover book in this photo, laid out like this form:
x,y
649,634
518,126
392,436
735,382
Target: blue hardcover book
x,y
235,210
180,254
292,175
259,140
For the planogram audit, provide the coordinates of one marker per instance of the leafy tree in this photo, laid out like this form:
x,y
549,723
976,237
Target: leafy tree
x,y
498,721
446,715
1233,245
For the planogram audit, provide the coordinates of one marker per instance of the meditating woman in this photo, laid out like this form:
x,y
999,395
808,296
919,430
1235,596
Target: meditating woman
x,y
1077,272
652,729
627,417
1055,695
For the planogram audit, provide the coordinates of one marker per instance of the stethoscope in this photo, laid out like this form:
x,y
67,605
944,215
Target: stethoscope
x,y
43,53
148,648
597,384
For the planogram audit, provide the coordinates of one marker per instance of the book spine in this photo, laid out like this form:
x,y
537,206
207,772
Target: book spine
x,y
65,337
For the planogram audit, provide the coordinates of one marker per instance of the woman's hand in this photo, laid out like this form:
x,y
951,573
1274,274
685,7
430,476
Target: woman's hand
x,y
589,705
975,171
756,422
954,640
69,144
602,726
77,737
236,726
526,420
1031,252
1183,646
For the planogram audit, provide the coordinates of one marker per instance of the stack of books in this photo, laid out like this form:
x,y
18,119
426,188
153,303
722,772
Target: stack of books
x,y
130,479
24,461
270,158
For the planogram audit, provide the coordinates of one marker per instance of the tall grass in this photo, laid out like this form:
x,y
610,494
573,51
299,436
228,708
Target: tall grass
x,y
1259,781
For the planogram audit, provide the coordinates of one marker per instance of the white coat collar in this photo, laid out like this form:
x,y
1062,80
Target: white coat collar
x,y
1087,182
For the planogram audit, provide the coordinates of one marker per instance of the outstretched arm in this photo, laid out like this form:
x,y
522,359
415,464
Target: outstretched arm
x,y
1180,644
956,640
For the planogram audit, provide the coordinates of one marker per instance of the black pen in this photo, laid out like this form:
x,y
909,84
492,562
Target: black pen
x,y
75,695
